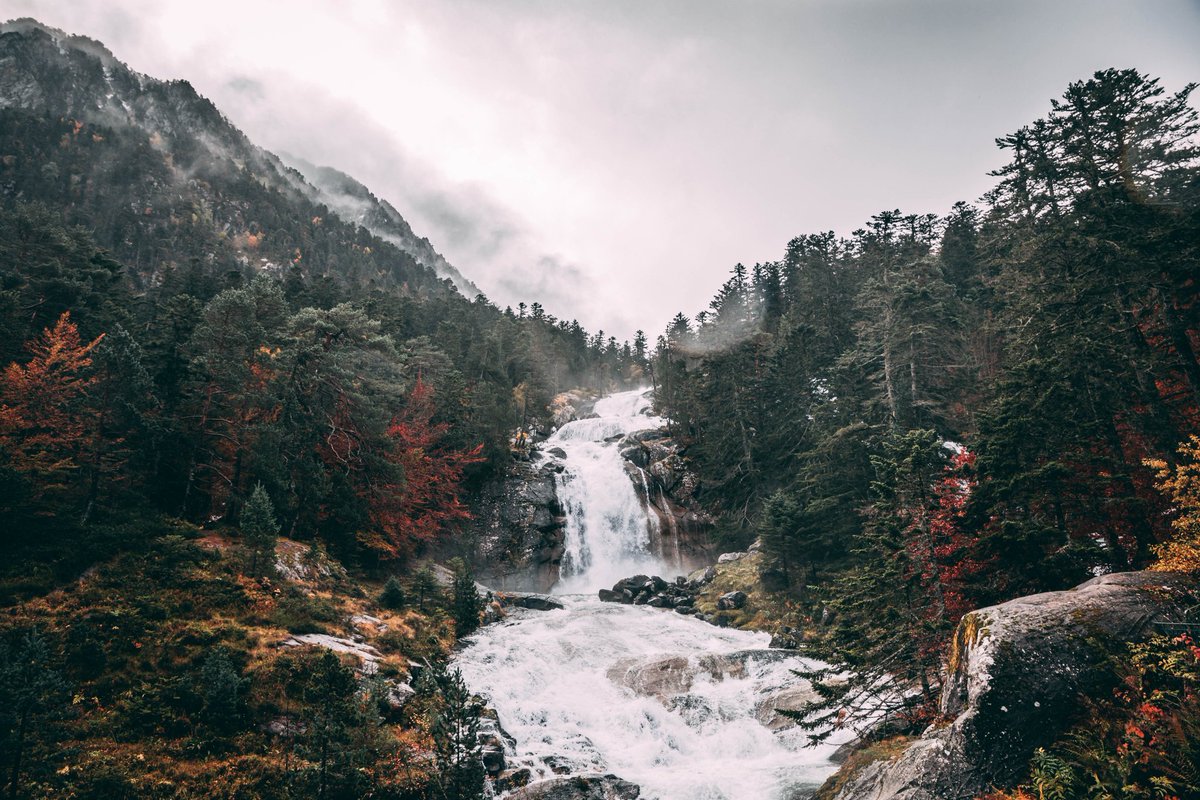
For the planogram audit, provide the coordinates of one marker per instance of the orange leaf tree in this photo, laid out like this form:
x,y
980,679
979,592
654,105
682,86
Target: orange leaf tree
x,y
43,425
1181,485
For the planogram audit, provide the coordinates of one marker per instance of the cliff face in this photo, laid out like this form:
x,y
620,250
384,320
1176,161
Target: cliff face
x,y
660,471
519,528
1016,673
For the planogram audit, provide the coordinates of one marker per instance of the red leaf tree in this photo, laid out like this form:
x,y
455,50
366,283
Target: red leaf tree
x,y
423,501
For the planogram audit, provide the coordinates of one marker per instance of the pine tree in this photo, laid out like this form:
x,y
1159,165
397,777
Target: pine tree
x,y
424,586
31,692
392,597
221,686
123,405
258,527
331,713
455,732
466,604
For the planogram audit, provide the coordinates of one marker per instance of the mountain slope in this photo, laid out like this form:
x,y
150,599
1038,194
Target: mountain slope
x,y
354,202
139,160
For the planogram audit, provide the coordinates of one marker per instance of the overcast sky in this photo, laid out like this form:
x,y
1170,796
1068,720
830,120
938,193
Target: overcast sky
x,y
613,159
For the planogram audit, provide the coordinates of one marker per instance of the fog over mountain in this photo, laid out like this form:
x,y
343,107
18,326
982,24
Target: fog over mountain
x,y
602,156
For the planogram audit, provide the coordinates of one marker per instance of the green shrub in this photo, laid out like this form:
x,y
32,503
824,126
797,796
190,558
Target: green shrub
x,y
392,596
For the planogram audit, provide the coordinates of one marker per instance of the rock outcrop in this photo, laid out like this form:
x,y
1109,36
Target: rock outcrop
x,y
659,470
1016,672
519,525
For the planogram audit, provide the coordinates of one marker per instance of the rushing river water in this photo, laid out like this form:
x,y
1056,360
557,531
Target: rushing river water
x,y
678,706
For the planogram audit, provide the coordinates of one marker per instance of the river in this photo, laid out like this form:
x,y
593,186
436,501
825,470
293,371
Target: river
x,y
671,703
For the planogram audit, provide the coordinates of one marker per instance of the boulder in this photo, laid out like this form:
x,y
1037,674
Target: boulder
x,y
563,765
731,600
367,655
493,759
793,698
666,677
579,787
655,584
397,694
536,602
787,638
513,779
1015,676
728,558
633,584
660,678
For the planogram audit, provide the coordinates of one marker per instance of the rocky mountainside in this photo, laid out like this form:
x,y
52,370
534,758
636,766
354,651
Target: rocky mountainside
x,y
143,161
354,202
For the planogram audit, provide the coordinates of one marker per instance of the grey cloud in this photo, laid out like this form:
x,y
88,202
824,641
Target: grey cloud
x,y
641,149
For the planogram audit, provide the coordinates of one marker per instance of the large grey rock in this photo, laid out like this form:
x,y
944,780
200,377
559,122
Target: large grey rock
x,y
536,602
1016,673
520,527
793,698
665,677
579,787
731,600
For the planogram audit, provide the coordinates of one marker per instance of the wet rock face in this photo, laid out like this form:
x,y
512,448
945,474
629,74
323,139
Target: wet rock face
x,y
657,467
519,525
580,787
1016,673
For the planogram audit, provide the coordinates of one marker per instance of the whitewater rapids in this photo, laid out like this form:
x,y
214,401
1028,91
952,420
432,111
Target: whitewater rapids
x,y
671,703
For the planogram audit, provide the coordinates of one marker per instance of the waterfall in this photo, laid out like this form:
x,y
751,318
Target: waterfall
x,y
684,709
608,532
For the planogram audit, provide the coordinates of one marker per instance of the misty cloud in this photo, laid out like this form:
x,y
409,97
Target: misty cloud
x,y
613,159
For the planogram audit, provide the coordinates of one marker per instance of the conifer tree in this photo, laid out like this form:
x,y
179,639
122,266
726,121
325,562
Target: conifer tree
x,y
331,713
455,731
32,691
424,586
392,597
258,527
466,604
221,686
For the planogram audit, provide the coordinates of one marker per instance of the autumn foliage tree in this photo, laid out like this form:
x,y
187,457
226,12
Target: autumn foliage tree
x,y
1181,485
44,429
423,499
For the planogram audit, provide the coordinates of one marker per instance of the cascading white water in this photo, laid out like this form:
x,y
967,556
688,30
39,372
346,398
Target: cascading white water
x,y
566,687
608,530
671,703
